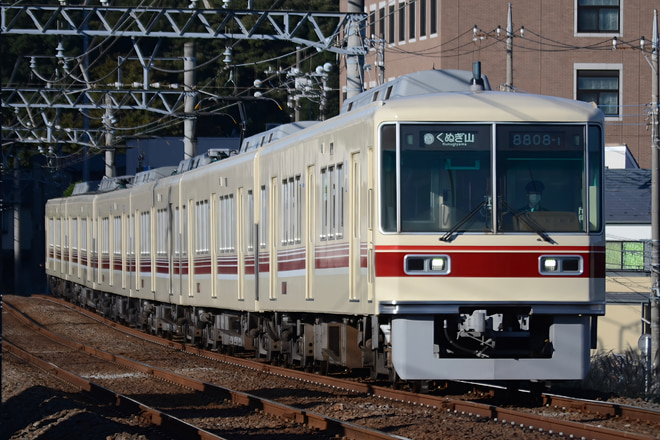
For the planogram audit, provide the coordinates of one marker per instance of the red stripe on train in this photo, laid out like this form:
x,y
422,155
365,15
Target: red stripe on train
x,y
490,264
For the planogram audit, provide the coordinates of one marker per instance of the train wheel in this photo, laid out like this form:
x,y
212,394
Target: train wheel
x,y
395,380
324,367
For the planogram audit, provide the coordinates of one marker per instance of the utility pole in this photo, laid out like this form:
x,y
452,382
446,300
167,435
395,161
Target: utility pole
x,y
509,52
108,121
355,63
190,100
655,206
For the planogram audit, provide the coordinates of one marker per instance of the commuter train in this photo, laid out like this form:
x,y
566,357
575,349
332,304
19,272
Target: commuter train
x,y
404,236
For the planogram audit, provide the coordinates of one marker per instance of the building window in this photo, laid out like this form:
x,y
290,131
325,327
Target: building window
x,y
422,18
598,16
381,23
433,15
601,87
402,22
411,21
372,24
390,23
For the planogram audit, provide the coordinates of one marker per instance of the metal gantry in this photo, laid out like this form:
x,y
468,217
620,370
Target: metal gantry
x,y
106,21
320,30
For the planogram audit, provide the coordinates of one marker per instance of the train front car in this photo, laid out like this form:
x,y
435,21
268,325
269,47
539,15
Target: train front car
x,y
489,250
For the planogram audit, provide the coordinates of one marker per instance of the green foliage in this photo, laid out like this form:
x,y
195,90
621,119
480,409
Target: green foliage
x,y
69,190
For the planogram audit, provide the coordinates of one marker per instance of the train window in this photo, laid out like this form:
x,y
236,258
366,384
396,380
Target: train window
x,y
291,210
595,183
325,208
264,217
332,215
161,232
540,178
83,235
250,222
202,231
388,178
116,241
105,235
74,237
440,179
177,241
145,233
226,223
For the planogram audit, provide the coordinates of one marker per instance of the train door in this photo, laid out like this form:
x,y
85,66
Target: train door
x,y
369,224
310,219
355,245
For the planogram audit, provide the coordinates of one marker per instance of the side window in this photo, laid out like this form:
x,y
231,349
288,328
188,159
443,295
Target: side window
x,y
263,224
601,87
105,236
332,202
161,232
598,16
291,210
117,238
250,226
202,231
145,234
226,223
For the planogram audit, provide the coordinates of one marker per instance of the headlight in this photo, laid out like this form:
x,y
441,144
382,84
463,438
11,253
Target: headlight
x,y
561,265
427,264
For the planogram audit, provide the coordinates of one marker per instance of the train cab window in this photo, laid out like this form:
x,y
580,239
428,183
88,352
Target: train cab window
x,y
541,178
440,180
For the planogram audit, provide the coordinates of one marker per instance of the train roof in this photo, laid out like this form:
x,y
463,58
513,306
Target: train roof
x,y
274,134
491,106
418,83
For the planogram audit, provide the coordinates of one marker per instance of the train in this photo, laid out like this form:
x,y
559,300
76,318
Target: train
x,y
435,229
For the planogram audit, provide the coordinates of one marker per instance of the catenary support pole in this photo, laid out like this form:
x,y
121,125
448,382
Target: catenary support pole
x,y
190,100
355,63
655,206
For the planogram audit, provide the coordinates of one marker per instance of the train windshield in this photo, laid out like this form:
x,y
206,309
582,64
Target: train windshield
x,y
543,182
438,178
443,174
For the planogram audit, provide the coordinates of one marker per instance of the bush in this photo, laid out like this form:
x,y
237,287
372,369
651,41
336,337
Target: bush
x,y
624,374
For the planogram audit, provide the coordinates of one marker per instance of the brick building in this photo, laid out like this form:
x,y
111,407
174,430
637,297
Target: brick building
x,y
559,47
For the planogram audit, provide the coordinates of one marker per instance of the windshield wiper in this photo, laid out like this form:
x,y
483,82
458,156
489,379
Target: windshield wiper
x,y
464,220
529,221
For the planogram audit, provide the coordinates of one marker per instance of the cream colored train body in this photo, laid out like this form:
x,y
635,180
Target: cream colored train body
x,y
395,236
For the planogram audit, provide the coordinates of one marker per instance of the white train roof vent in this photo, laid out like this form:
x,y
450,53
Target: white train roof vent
x,y
84,187
274,134
151,175
112,183
417,83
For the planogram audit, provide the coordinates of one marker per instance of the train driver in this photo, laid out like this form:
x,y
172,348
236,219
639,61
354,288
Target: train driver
x,y
534,190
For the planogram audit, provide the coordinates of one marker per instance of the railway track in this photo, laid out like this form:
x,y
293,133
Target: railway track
x,y
558,415
177,393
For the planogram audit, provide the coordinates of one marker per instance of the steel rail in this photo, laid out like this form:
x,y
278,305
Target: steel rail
x,y
476,409
175,427
314,420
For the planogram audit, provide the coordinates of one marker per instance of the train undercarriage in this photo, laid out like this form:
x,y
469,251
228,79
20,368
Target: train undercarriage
x,y
313,342
474,341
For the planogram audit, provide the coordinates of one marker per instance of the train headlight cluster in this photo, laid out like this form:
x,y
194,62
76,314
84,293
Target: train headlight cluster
x,y
561,265
427,264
